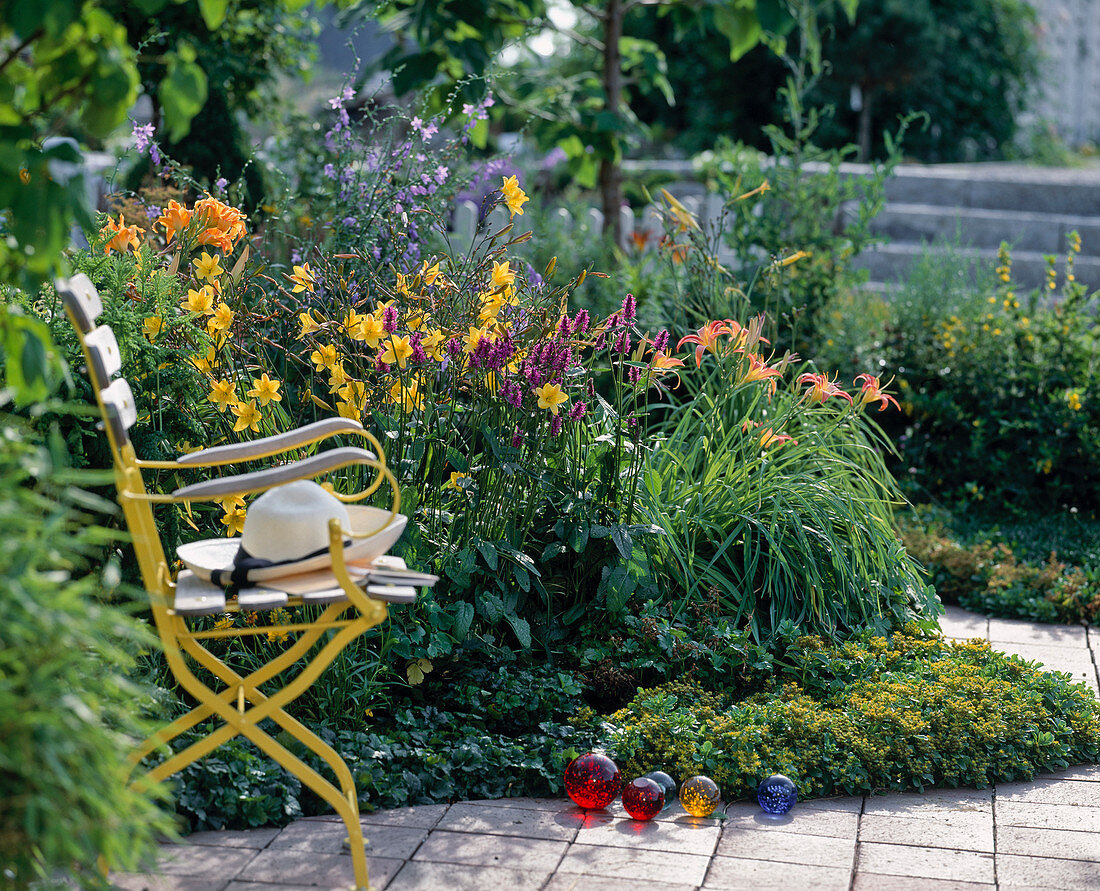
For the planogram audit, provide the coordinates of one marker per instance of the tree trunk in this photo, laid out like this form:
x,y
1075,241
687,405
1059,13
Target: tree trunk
x,y
610,175
865,126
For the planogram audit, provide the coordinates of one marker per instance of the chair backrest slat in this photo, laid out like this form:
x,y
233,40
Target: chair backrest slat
x,y
104,358
118,401
81,300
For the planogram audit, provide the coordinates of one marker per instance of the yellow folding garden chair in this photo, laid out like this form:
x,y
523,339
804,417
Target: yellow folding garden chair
x,y
351,605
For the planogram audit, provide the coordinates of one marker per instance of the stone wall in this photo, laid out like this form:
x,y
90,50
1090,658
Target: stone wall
x,y
1069,88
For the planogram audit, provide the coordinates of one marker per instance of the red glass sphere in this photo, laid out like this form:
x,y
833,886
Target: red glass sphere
x,y
643,799
592,780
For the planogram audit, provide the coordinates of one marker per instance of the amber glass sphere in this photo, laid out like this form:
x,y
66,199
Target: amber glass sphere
x,y
699,796
643,799
592,780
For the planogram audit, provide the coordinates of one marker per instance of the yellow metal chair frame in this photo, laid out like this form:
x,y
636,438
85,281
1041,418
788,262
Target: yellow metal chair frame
x,y
242,705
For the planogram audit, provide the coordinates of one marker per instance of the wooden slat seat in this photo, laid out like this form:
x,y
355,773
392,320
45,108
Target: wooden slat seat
x,y
269,445
259,480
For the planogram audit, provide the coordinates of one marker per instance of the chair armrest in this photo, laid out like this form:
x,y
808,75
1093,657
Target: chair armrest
x,y
270,445
260,480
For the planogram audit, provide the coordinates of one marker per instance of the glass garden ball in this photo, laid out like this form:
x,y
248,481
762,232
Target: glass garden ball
x,y
643,799
592,780
699,796
777,794
667,783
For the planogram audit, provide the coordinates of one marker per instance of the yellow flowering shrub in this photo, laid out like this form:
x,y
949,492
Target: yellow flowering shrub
x,y
904,712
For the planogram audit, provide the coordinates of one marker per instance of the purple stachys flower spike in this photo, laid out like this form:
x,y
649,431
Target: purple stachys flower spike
x,y
581,321
632,422
517,438
660,342
622,343
600,342
389,319
418,354
630,309
565,326
590,389
555,425
578,411
634,374
454,347
381,367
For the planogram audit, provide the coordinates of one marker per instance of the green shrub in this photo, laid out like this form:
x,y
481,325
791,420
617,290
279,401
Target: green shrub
x,y
68,714
1001,390
990,578
906,712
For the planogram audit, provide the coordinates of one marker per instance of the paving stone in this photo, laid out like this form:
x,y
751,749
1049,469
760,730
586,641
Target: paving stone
x,y
133,882
958,622
1051,791
1074,662
672,813
688,836
331,838
287,866
1032,842
423,816
923,862
634,865
961,830
869,881
936,801
1034,632
801,820
787,847
530,804
238,885
1031,872
752,875
563,881
421,876
1048,816
250,838
203,861
491,850
1089,772
510,821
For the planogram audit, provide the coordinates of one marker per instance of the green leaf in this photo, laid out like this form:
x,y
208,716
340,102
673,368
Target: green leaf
x,y
740,26
463,620
213,12
182,95
488,554
621,536
457,460
521,628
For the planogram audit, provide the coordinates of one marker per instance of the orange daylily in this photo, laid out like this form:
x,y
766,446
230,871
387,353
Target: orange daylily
x,y
759,370
706,338
872,390
174,219
122,236
821,388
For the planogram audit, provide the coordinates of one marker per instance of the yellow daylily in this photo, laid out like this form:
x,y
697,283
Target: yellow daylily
x,y
323,357
248,416
550,397
222,395
208,267
428,274
265,389
152,326
369,330
432,344
514,196
397,351
200,301
455,477
503,274
308,323
303,279
233,520
222,318
410,398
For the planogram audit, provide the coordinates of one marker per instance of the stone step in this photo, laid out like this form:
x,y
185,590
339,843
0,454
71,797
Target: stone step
x,y
995,186
891,262
983,228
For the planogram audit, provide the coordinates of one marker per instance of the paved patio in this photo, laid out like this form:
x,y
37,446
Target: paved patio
x,y
1043,834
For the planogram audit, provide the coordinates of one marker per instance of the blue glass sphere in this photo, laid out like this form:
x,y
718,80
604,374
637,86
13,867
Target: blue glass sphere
x,y
777,794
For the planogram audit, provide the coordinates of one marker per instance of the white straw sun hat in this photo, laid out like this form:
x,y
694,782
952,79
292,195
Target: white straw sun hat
x,y
286,533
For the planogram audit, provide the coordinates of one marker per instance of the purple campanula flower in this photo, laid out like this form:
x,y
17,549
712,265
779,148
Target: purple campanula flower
x,y
143,136
152,213
329,171
220,183
348,221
